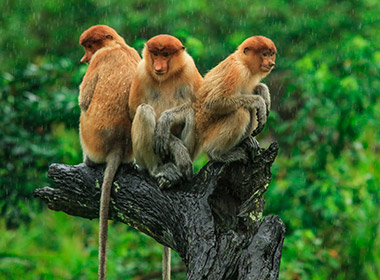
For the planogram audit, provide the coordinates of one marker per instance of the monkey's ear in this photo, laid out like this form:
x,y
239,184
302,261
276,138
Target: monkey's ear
x,y
246,49
108,36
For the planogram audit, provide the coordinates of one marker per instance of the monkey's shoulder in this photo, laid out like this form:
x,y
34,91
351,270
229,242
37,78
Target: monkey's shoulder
x,y
113,57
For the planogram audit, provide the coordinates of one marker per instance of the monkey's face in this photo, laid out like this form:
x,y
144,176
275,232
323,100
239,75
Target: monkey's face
x,y
163,64
160,62
259,54
162,53
260,62
268,58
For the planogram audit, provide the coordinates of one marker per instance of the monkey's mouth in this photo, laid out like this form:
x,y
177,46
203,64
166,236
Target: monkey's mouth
x,y
159,73
266,68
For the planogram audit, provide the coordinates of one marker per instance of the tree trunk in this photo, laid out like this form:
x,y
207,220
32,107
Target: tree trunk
x,y
214,222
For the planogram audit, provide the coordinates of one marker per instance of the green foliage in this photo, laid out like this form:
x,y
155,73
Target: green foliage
x,y
325,181
38,127
325,115
31,251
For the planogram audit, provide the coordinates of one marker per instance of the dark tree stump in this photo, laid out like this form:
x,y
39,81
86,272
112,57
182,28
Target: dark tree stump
x,y
214,222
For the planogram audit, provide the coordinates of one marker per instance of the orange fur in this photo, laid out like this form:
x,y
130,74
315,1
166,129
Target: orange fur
x,y
166,77
225,105
105,126
106,86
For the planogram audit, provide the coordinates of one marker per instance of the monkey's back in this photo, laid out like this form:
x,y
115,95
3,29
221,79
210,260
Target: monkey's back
x,y
106,120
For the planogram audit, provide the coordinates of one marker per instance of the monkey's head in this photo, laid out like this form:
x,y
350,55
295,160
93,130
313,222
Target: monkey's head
x,y
97,37
164,56
259,54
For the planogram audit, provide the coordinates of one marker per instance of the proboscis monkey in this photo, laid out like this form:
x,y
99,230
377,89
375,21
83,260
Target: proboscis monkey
x,y
166,77
231,105
105,126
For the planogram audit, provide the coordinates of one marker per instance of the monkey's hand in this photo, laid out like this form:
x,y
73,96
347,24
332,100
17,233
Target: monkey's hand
x,y
261,115
263,91
167,175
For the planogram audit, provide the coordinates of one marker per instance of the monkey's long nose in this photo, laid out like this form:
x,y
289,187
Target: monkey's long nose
x,y
272,64
84,59
158,68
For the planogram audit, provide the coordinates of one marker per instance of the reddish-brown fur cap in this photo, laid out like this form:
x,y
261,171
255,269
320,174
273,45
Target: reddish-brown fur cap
x,y
164,43
98,33
257,44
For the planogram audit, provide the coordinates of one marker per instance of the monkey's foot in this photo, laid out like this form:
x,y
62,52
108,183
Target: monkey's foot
x,y
167,176
251,146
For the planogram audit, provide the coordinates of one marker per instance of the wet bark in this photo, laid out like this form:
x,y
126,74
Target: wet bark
x,y
214,222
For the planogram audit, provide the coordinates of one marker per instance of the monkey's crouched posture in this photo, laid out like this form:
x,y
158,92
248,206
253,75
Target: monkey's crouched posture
x,y
166,77
231,106
105,126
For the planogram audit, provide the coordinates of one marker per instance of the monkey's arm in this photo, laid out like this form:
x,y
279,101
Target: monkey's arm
x,y
263,91
222,105
225,105
87,89
135,97
164,124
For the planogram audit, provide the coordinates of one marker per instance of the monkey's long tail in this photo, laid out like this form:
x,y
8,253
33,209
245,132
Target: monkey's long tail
x,y
166,257
113,162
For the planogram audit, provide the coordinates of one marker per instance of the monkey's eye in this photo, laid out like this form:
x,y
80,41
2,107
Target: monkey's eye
x,y
155,53
165,54
265,54
89,46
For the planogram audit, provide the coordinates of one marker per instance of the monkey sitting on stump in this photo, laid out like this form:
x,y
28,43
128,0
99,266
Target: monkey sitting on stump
x,y
166,78
105,126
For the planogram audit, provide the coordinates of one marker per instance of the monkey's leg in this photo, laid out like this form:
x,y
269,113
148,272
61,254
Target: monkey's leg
x,y
181,157
222,138
175,116
143,126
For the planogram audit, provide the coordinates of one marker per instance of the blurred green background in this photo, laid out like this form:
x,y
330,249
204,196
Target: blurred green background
x,y
326,114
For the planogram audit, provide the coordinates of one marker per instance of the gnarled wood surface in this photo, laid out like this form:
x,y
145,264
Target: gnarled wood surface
x,y
214,221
